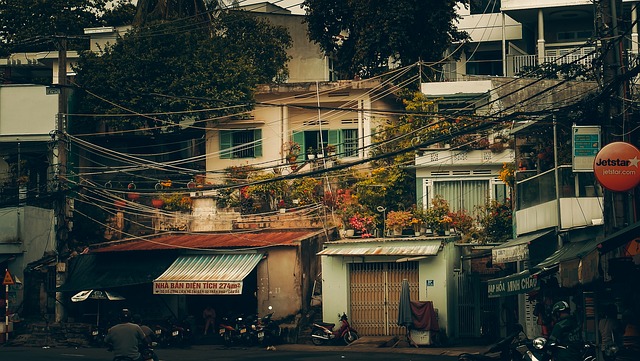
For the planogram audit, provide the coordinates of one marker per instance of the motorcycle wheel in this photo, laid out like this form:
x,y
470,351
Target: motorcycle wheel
x,y
227,339
349,337
316,340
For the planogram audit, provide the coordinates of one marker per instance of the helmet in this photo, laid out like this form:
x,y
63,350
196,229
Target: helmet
x,y
125,315
561,306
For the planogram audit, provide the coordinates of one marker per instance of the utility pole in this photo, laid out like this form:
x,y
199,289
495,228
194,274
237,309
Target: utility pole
x,y
616,204
60,205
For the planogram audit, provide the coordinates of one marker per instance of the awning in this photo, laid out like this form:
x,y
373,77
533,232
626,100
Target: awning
x,y
568,252
109,270
516,249
219,274
620,238
427,248
514,284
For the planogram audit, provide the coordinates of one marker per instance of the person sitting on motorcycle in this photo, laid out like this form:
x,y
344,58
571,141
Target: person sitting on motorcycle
x,y
566,333
124,339
145,347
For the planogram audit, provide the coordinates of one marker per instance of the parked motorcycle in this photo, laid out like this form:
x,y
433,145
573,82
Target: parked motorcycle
x,y
97,335
509,348
173,333
266,331
322,332
233,330
539,349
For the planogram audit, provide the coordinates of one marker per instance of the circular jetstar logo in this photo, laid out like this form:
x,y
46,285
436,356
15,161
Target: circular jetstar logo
x,y
616,166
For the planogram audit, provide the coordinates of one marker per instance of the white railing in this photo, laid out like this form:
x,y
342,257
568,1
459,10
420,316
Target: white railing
x,y
517,63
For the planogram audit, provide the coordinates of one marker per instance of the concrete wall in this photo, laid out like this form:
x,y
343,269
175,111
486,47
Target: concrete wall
x,y
279,282
20,119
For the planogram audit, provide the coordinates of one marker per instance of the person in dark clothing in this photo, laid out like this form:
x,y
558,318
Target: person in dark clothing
x,y
125,338
566,334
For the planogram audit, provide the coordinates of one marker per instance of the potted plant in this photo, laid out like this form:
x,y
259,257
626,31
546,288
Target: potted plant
x,y
311,153
176,202
398,221
437,216
292,150
330,150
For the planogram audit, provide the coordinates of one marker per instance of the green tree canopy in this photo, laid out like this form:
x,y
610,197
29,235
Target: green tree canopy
x,y
29,25
366,36
173,68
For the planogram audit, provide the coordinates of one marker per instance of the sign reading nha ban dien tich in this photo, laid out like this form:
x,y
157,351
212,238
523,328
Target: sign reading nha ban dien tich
x,y
197,288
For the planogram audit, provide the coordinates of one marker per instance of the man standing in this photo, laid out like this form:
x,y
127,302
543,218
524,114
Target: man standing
x,y
125,337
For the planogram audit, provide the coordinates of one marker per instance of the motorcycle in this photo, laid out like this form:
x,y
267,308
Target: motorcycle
x,y
233,330
539,349
97,335
266,331
509,348
172,333
322,332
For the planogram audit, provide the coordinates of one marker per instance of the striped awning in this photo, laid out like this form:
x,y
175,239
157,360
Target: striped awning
x,y
427,248
220,274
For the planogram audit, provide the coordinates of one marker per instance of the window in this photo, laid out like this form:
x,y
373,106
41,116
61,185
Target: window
x,y
468,195
240,143
345,141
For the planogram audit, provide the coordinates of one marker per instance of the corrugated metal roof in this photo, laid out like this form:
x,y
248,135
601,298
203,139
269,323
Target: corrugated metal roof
x,y
209,241
203,268
427,248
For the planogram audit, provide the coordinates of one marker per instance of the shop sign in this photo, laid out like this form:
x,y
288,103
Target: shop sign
x,y
197,288
515,284
510,254
616,166
586,144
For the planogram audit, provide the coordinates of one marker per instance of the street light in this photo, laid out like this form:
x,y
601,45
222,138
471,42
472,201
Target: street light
x,y
382,210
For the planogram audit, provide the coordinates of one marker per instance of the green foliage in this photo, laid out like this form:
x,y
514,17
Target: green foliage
x,y
170,68
496,222
306,190
569,71
364,34
437,215
28,25
392,187
176,202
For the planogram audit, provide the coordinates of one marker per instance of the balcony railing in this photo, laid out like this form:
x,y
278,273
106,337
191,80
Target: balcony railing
x,y
541,188
519,63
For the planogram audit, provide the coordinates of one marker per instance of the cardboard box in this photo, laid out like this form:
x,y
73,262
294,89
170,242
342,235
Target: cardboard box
x,y
421,337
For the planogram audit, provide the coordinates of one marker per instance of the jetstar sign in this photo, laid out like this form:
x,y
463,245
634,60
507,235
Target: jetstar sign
x,y
616,166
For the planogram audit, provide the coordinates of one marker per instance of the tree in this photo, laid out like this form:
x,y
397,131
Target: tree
x,y
28,25
366,37
154,10
173,67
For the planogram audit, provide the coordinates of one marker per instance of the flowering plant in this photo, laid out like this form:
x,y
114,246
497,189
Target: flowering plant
x,y
176,202
398,220
437,217
508,174
362,223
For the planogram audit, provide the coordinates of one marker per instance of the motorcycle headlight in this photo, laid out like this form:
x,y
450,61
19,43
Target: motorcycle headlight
x,y
253,327
539,342
175,333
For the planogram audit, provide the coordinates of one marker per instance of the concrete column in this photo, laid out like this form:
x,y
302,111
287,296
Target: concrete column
x,y
540,37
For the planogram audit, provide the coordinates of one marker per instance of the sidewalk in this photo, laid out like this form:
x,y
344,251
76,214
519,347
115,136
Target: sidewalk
x,y
383,344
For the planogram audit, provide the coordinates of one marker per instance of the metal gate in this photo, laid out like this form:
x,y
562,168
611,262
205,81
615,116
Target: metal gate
x,y
477,313
375,295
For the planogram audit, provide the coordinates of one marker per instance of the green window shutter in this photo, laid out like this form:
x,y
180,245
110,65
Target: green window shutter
x,y
226,142
298,137
257,138
335,138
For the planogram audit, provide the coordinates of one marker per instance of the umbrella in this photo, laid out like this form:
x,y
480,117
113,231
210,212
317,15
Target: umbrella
x,y
405,318
96,295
